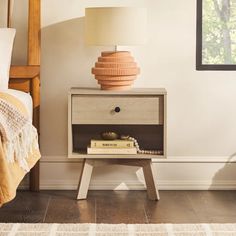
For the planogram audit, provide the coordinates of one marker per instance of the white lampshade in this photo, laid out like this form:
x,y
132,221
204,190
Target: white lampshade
x,y
115,26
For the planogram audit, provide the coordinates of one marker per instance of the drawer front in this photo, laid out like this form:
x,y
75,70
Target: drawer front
x,y
117,110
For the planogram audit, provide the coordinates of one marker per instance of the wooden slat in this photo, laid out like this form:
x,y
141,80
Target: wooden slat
x,y
24,72
9,13
34,59
20,84
34,33
27,78
35,92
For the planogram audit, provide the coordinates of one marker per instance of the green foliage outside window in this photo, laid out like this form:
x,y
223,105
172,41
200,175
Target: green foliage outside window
x,y
219,32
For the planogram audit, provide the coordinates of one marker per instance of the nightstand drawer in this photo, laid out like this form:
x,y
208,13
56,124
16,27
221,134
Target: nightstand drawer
x,y
116,109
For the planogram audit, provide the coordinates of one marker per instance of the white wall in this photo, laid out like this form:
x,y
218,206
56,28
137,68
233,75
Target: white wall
x,y
201,105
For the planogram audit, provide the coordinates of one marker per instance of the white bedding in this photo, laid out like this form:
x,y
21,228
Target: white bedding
x,y
25,98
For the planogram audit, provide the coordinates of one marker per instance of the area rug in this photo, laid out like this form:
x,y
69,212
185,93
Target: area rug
x,y
117,229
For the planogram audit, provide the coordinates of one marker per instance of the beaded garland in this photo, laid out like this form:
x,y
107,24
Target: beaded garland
x,y
152,152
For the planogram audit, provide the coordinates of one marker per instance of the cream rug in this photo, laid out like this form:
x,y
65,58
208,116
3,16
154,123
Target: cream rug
x,y
118,229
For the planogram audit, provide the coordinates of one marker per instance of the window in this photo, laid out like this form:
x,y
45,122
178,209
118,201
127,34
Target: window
x,y
216,35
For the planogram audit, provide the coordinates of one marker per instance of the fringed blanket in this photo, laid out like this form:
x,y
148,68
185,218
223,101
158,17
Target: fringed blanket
x,y
18,145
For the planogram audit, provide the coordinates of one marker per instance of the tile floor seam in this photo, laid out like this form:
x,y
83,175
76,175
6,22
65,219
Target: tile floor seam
x,y
46,210
193,208
95,210
145,213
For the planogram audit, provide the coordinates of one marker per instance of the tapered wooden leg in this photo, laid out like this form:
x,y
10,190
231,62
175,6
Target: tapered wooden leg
x,y
151,181
85,178
34,178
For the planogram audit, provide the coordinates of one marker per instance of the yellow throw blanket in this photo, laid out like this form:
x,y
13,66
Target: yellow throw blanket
x,y
19,152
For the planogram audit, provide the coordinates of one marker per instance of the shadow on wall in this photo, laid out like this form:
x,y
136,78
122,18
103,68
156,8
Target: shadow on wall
x,y
228,174
66,62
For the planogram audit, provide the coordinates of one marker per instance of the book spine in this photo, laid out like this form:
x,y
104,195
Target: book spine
x,y
111,150
114,144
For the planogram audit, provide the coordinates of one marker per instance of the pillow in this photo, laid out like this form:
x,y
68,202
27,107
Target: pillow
x,y
7,36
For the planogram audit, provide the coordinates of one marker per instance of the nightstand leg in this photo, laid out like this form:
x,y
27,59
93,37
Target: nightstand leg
x,y
85,177
151,181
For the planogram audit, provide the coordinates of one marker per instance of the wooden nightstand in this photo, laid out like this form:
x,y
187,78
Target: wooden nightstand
x,y
142,114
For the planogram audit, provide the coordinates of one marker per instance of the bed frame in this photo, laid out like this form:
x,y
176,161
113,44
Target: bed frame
x,y
27,78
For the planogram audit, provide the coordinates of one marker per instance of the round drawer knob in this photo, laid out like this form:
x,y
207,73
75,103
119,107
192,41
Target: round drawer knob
x,y
117,109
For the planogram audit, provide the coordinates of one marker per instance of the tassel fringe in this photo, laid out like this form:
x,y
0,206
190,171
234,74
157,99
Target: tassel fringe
x,y
21,146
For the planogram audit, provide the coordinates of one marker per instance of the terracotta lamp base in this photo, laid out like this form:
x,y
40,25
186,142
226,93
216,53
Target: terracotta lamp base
x,y
115,70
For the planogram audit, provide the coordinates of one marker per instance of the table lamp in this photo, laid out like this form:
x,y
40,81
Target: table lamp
x,y
115,26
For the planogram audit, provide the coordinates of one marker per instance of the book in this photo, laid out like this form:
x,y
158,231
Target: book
x,y
118,143
107,151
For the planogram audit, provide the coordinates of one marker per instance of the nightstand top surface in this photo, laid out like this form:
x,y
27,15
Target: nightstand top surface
x,y
134,91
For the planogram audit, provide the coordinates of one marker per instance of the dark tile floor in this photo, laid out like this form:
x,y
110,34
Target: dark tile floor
x,y
122,207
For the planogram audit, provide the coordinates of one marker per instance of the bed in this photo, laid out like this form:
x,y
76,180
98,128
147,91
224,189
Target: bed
x,y
24,86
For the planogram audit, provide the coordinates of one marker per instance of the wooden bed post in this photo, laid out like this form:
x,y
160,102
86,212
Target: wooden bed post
x,y
9,13
34,60
27,78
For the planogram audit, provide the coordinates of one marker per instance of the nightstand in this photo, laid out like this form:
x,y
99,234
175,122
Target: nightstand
x,y
142,114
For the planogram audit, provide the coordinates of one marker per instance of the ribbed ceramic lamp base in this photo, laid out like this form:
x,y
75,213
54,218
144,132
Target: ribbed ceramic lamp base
x,y
115,70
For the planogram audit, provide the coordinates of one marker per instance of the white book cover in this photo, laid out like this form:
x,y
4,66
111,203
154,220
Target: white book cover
x,y
112,150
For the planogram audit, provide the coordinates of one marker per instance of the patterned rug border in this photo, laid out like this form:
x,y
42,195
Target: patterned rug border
x,y
51,229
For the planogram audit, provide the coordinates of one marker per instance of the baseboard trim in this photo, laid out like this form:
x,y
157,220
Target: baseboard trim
x,y
177,173
135,185
169,159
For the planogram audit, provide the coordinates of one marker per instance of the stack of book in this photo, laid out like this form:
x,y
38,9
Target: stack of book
x,y
117,146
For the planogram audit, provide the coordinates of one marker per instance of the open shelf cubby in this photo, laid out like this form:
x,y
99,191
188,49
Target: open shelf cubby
x,y
149,137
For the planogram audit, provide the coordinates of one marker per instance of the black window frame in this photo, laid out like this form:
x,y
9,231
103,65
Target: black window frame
x,y
199,65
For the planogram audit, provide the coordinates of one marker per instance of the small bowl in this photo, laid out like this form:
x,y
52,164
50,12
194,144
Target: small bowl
x,y
109,135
